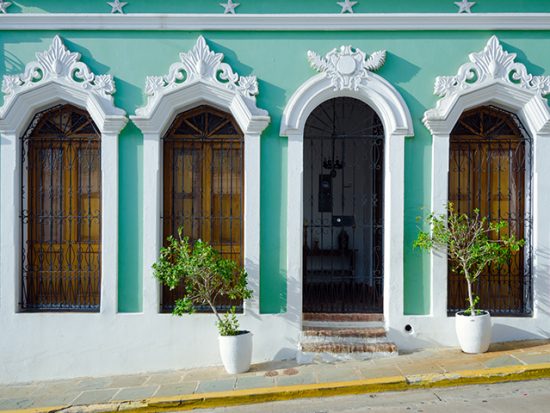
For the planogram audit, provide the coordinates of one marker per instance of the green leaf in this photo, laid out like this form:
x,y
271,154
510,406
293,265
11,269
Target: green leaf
x,y
205,275
471,242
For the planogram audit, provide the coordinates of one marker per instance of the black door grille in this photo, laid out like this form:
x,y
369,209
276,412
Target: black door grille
x,y
61,212
343,209
490,169
203,187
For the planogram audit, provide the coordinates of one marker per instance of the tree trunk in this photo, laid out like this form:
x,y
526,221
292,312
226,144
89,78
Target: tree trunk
x,y
213,307
470,297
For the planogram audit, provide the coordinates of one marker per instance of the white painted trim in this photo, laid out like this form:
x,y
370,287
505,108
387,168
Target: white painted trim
x,y
279,22
383,98
294,225
167,98
491,87
26,96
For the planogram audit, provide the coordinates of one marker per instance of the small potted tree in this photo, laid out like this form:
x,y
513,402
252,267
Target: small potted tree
x,y
471,244
207,277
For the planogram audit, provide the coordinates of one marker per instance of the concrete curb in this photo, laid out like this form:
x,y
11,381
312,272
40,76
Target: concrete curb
x,y
280,393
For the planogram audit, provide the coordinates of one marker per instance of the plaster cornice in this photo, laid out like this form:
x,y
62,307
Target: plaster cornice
x,y
281,22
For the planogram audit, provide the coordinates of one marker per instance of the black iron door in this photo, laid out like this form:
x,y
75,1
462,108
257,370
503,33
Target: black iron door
x,y
343,209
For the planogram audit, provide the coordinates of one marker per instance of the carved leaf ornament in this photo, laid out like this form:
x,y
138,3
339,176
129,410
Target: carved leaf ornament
x,y
347,67
201,63
492,63
58,63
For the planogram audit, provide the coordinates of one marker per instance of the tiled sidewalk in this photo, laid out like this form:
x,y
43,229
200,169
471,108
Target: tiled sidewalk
x,y
86,391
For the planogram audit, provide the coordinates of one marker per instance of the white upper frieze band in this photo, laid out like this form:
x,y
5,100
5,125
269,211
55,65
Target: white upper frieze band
x,y
280,22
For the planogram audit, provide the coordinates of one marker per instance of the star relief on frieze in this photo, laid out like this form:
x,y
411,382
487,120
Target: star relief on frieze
x,y
202,64
117,6
229,7
347,6
465,6
490,64
347,67
4,6
61,65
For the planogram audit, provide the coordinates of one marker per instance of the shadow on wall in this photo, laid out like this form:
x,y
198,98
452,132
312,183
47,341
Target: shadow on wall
x,y
399,71
230,57
273,221
542,296
286,353
502,332
277,98
522,58
416,265
129,97
268,92
410,341
11,64
293,316
516,345
130,266
541,299
86,57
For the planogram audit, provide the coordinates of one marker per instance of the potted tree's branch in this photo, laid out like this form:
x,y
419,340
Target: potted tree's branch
x,y
471,244
206,278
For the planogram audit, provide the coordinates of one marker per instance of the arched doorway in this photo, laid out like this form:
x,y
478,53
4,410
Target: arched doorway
x,y
343,207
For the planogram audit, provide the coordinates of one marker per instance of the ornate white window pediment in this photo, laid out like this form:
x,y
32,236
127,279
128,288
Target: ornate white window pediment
x,y
62,69
200,77
201,64
61,65
492,76
203,75
493,63
57,76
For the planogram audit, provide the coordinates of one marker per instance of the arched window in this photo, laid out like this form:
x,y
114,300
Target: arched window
x,y
203,184
61,212
490,170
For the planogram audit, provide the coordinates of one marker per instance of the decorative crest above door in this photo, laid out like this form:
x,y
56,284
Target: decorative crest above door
x,y
347,67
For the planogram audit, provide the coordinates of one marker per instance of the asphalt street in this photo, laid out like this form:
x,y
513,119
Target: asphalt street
x,y
524,397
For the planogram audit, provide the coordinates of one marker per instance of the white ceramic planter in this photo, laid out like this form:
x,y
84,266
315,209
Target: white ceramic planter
x,y
474,333
236,352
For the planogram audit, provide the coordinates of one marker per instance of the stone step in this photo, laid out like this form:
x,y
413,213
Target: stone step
x,y
383,348
308,325
333,351
344,336
342,340
338,337
370,332
348,317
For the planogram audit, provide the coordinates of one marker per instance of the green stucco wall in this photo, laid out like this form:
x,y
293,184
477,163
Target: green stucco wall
x,y
279,61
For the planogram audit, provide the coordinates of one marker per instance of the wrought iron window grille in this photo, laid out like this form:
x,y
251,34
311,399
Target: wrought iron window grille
x,y
61,212
204,187
491,169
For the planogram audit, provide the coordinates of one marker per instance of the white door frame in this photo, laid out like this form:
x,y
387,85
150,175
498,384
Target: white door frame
x,y
347,73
